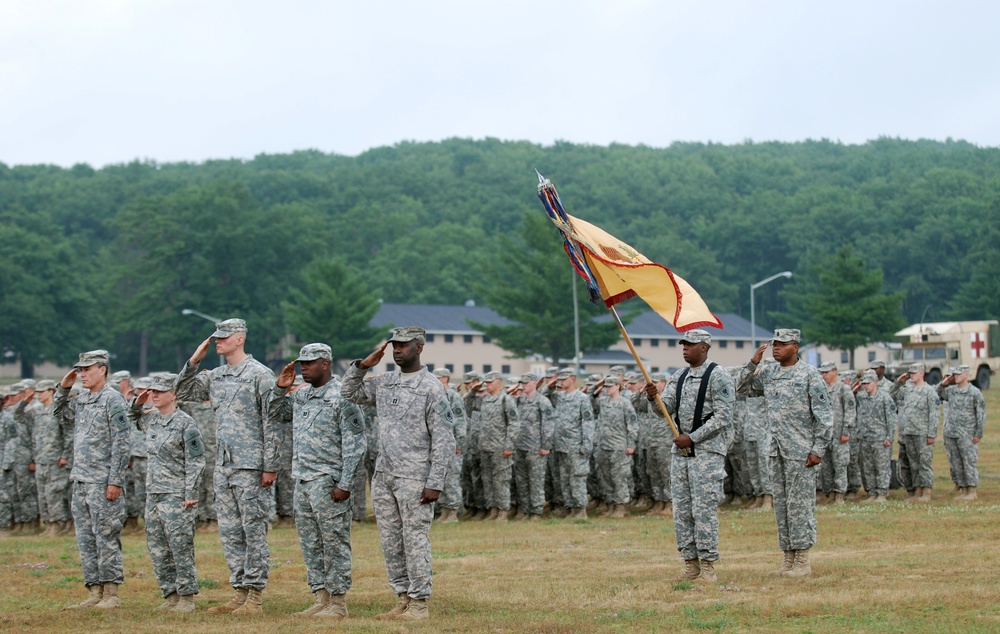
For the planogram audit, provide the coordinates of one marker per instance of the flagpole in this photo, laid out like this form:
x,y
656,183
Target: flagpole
x,y
663,408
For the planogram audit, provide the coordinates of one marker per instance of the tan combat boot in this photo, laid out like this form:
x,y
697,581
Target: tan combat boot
x,y
911,495
879,499
578,514
800,565
253,606
68,529
656,508
534,518
644,503
234,603
494,513
130,526
322,600
110,601
501,515
416,610
96,594
786,565
452,517
401,602
169,602
925,495
767,504
838,499
692,569
443,517
959,492
561,512
970,494
707,572
184,604
618,512
336,609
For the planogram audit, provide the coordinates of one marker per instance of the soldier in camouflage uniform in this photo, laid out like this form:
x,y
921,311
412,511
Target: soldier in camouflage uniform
x,y
838,454
876,426
572,442
964,425
800,418
919,414
416,446
366,469
246,461
697,479
52,478
176,462
531,448
757,444
203,415
329,442
8,436
617,430
737,484
19,460
472,468
451,497
659,443
500,425
135,476
101,451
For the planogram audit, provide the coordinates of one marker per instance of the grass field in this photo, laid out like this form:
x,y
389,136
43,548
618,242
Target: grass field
x,y
896,568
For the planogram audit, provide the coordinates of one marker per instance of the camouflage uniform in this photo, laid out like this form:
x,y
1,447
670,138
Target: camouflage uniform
x,y
135,476
18,455
500,425
176,462
415,449
203,415
617,431
659,444
838,455
101,437
247,445
52,480
696,481
876,424
328,445
572,444
965,420
800,418
8,435
366,468
472,469
283,489
451,497
757,443
738,482
919,415
535,435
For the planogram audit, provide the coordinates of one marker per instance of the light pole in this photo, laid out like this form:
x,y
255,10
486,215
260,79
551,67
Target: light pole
x,y
214,320
753,316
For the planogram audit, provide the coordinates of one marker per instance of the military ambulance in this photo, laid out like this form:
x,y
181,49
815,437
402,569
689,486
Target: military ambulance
x,y
944,345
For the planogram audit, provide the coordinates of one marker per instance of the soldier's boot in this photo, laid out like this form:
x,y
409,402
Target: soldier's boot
x,y
416,610
534,518
253,606
767,504
959,492
852,496
707,572
727,499
50,530
925,494
5,531
169,602
494,513
131,526
234,603
754,502
212,526
644,503
401,602
184,604
619,512
737,501
800,565
335,609
578,514
692,568
482,515
592,504
110,600
452,517
520,516
668,509
878,499
445,514
606,509
17,529
786,565
911,495
96,594
69,529
501,515
838,499
322,599
970,494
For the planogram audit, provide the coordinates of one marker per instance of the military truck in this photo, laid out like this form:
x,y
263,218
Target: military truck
x,y
941,346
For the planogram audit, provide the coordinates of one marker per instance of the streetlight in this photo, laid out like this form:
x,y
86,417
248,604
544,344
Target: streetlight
x,y
753,316
214,320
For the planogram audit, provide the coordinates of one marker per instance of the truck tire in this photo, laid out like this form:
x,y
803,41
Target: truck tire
x,y
933,376
983,378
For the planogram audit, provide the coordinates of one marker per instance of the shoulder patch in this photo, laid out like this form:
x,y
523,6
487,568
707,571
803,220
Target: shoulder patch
x,y
118,417
355,424
193,443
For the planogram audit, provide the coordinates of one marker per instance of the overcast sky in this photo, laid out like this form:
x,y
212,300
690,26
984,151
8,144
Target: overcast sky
x,y
109,81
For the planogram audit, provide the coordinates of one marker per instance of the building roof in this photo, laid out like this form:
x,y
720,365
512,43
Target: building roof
x,y
650,325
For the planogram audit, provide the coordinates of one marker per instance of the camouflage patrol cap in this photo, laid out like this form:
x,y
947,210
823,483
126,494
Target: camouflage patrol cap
x,y
632,377
144,383
90,358
616,369
527,377
313,351
440,372
491,376
611,380
697,336
408,333
962,369
869,376
16,388
565,373
786,335
163,383
594,379
9,391
828,366
916,367
469,377
551,372
228,328
29,384
877,364
45,384
121,375
658,376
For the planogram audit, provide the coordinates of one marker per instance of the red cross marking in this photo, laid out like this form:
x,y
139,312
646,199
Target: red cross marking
x,y
978,345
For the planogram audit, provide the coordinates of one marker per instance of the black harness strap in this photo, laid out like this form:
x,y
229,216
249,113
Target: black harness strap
x,y
699,405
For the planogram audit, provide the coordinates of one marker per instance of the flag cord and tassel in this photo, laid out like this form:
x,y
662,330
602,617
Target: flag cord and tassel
x,y
663,408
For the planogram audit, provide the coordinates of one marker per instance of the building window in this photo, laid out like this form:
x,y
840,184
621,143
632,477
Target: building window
x,y
505,369
389,367
450,366
429,337
871,356
637,342
487,368
671,343
845,357
449,338
654,343
655,369
467,338
430,367
723,344
486,339
739,344
468,367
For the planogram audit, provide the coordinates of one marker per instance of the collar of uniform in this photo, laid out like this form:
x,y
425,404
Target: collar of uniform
x,y
86,396
318,392
236,370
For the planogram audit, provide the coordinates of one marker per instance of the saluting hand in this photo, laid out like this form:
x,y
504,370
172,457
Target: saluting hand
x,y
200,352
68,380
287,376
758,356
372,360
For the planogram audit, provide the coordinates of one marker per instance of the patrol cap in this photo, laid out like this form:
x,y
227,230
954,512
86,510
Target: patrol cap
x,y
16,388
469,377
786,335
144,383
916,367
616,369
45,384
962,369
632,377
228,328
163,383
611,380
28,384
313,351
869,376
404,334
491,376
121,375
565,373
658,376
551,372
10,390
877,364
697,336
440,372
828,366
527,377
88,359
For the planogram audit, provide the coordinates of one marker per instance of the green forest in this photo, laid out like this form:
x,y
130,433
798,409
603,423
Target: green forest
x,y
109,257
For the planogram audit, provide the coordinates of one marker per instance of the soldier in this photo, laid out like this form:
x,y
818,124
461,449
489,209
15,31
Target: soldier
x,y
838,455
246,460
701,398
416,446
877,421
19,458
51,470
757,444
963,429
201,412
8,436
919,414
366,470
800,417
472,468
572,442
641,487
451,497
329,442
135,476
617,432
531,448
176,462
496,441
737,484
283,489
100,456
659,439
